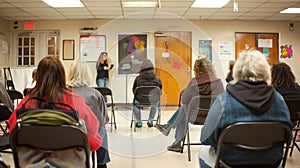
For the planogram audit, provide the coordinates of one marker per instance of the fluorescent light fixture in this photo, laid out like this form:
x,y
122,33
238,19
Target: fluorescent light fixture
x,y
209,3
139,4
291,10
64,3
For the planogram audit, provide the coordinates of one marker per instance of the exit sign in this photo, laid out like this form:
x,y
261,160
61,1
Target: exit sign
x,y
29,25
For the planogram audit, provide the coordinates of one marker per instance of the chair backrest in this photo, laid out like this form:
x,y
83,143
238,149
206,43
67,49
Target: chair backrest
x,y
198,108
294,108
255,136
14,94
4,112
48,139
105,91
48,130
147,95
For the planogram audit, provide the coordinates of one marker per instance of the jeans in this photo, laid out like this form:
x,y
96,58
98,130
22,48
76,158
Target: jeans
x,y
202,164
102,82
178,121
137,111
102,152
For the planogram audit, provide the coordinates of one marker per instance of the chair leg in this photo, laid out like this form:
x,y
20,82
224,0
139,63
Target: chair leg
x,y
189,146
294,143
114,117
183,144
131,119
112,120
158,116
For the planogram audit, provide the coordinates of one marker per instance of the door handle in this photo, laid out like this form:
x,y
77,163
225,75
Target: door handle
x,y
189,69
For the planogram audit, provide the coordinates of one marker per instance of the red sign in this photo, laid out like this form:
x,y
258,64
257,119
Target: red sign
x,y
29,25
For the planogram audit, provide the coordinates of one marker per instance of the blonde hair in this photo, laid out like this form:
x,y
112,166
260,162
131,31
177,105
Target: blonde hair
x,y
251,65
100,59
79,74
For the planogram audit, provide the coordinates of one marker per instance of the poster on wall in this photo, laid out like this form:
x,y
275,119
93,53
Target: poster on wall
x,y
205,48
225,50
132,51
286,51
91,46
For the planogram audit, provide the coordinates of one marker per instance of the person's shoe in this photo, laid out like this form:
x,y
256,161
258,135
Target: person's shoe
x,y
164,129
150,123
175,147
139,124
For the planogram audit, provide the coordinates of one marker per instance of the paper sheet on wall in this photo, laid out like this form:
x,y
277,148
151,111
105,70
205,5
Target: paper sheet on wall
x,y
225,50
4,47
91,46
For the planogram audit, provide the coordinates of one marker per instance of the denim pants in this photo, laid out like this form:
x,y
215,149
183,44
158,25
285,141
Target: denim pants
x,y
102,152
137,112
178,121
102,82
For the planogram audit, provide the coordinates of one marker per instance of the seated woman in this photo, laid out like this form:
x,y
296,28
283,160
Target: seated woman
x,y
284,81
205,82
146,77
248,98
79,79
4,98
51,85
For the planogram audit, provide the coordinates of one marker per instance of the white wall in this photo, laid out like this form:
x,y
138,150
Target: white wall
x,y
3,36
215,30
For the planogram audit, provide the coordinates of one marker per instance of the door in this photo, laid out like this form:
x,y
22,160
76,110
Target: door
x,y
173,63
267,43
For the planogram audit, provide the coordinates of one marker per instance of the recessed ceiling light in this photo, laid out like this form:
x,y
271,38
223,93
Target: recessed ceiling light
x,y
64,3
209,3
291,10
139,4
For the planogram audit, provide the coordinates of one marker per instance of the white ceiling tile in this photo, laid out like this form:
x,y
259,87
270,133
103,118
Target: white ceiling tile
x,y
58,17
282,5
10,9
102,4
5,5
30,4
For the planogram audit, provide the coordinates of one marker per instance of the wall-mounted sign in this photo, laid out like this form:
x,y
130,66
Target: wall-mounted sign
x,y
265,43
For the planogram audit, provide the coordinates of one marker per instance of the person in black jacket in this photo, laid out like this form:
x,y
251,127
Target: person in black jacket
x,y
103,68
146,77
284,81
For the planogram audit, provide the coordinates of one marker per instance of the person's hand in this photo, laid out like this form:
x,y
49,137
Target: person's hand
x,y
105,68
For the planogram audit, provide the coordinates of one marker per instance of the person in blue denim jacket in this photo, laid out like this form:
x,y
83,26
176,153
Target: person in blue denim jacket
x,y
249,98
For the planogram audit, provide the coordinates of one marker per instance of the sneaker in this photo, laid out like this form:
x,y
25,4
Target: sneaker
x,y
175,147
164,129
150,123
139,124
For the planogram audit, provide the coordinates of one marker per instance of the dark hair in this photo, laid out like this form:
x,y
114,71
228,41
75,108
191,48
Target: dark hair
x,y
50,79
282,75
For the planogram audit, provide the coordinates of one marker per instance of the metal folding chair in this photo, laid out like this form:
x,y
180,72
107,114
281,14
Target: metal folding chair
x,y
147,96
108,92
254,136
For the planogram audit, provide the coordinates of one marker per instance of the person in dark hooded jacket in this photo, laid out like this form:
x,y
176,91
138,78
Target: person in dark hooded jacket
x,y
249,98
205,82
146,77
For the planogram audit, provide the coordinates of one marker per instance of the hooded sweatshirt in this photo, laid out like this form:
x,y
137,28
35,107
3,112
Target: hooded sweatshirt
x,y
256,96
147,76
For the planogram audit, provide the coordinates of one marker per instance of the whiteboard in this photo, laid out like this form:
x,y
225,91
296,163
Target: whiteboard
x,y
91,46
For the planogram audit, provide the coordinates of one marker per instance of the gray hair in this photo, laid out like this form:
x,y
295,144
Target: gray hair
x,y
253,66
79,74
